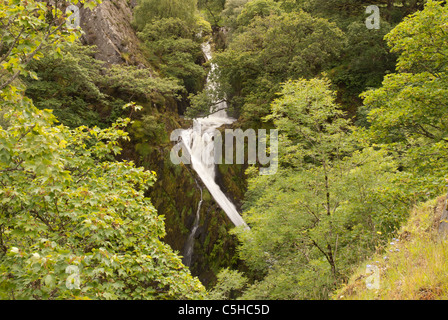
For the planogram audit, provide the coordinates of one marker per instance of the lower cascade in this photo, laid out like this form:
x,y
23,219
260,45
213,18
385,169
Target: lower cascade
x,y
189,245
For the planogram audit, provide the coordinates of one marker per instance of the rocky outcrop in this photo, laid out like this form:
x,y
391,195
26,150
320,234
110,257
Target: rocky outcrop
x,y
108,26
443,221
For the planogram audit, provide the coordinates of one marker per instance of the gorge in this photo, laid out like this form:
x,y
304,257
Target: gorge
x,y
199,202
95,205
199,142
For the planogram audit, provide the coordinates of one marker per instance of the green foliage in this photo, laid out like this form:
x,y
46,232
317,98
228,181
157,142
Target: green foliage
x,y
172,34
47,28
229,284
419,39
359,59
211,9
340,190
149,11
231,11
365,60
201,103
325,210
68,85
133,83
3,121
347,10
271,50
149,130
407,115
174,48
257,8
313,127
74,223
64,204
83,91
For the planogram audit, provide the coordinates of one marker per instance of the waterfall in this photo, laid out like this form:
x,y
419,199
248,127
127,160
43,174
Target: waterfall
x,y
189,245
199,143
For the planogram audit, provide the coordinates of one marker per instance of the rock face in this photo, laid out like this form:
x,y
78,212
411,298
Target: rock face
x,y
108,26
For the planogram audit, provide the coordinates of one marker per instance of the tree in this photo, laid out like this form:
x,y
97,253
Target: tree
x,y
407,115
74,223
324,210
364,62
148,11
67,84
231,11
392,11
365,59
270,50
212,9
46,26
257,8
175,49
229,284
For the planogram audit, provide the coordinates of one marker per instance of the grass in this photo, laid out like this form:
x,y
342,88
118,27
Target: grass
x,y
412,267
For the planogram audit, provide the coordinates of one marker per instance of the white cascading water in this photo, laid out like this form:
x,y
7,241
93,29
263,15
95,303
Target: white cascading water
x,y
199,143
189,245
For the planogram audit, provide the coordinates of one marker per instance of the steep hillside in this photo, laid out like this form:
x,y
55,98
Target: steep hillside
x,y
412,266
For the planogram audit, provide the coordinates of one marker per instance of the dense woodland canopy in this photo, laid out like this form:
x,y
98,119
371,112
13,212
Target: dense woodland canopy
x,y
362,117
